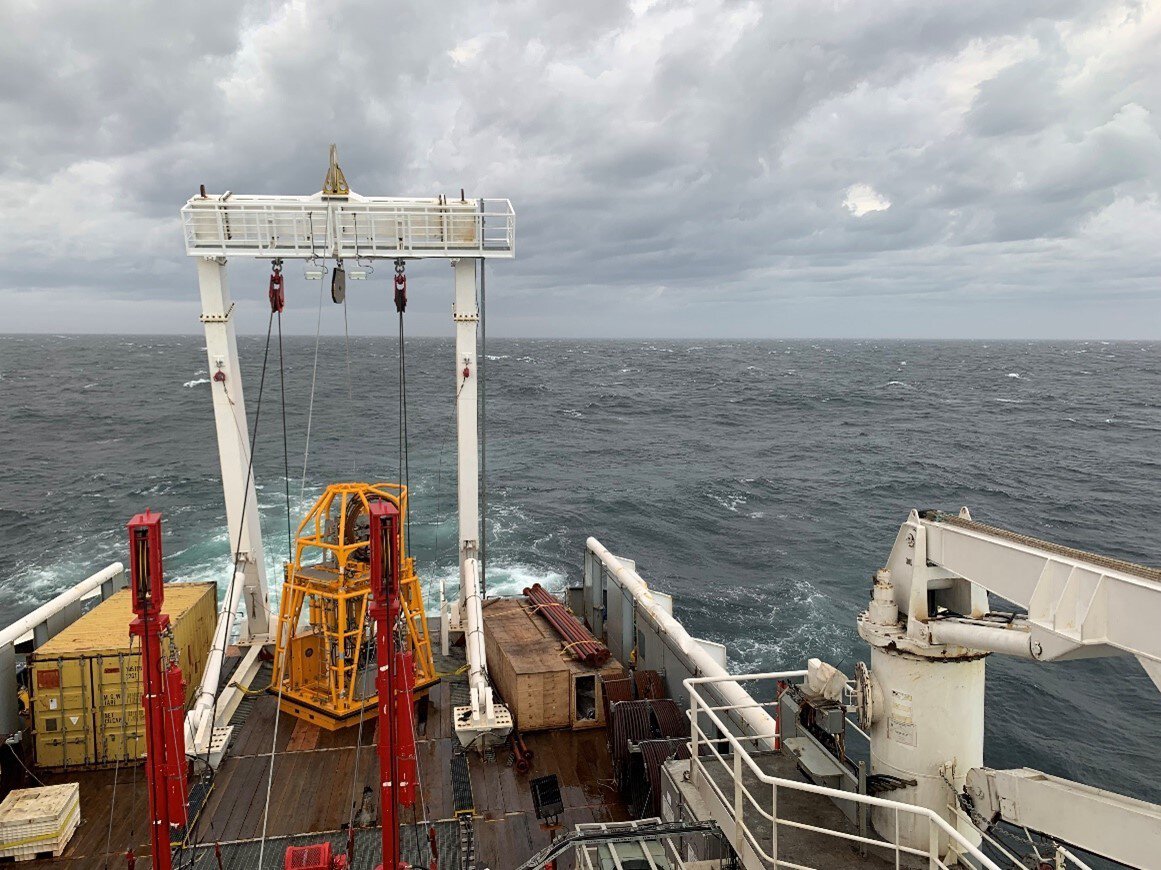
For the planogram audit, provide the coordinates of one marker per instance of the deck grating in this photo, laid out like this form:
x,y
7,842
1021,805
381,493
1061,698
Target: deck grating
x,y
462,797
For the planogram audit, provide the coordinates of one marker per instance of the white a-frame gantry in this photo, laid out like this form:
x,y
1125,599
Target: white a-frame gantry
x,y
340,226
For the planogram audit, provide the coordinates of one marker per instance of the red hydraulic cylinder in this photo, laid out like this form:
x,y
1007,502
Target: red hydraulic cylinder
x,y
176,766
148,593
405,727
385,608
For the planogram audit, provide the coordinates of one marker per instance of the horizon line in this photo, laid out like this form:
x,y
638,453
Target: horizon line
x,y
683,338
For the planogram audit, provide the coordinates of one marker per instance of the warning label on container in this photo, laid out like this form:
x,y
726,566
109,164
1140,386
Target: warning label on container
x,y
901,732
901,707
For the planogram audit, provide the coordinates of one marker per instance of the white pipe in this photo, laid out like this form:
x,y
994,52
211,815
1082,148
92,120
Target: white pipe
x,y
754,720
989,638
474,638
199,721
12,633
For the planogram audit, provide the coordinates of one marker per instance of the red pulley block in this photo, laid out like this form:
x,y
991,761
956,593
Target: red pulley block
x,y
277,296
400,287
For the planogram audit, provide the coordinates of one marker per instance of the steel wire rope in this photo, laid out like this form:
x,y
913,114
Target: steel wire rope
x,y
347,345
313,381
238,550
405,473
481,414
404,442
286,467
419,789
355,773
285,442
22,764
169,721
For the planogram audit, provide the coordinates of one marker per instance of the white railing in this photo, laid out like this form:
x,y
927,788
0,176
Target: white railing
x,y
307,227
44,622
738,799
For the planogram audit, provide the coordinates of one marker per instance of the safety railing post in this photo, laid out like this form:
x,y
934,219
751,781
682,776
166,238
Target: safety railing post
x,y
896,838
739,809
694,764
774,822
933,862
862,807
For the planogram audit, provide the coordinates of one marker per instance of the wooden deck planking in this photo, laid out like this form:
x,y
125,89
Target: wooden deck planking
x,y
312,785
88,846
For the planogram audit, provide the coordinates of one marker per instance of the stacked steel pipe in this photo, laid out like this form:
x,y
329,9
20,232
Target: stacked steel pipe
x,y
521,754
578,640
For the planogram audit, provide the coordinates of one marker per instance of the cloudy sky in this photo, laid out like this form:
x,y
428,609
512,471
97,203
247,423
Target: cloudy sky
x,y
777,168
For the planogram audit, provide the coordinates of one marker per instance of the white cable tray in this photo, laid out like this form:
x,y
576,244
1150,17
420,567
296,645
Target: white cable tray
x,y
350,227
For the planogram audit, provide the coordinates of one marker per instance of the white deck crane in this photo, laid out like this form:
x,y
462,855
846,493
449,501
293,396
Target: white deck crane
x,y
930,625
338,224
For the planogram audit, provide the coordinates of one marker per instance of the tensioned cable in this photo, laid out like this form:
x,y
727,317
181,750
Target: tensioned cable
x,y
481,413
241,529
278,709
347,344
356,773
404,444
26,770
116,771
285,443
313,381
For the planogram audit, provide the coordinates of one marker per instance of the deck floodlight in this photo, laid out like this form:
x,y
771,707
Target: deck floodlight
x,y
314,273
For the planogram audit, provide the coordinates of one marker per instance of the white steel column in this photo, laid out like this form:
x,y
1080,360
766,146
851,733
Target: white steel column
x,y
486,722
234,446
466,315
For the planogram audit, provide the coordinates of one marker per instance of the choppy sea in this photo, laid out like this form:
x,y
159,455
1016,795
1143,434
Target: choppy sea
x,y
761,483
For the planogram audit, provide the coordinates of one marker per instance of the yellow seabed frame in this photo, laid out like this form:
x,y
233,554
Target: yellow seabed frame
x,y
316,660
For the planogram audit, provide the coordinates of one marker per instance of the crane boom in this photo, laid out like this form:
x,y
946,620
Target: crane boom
x,y
1111,825
1079,604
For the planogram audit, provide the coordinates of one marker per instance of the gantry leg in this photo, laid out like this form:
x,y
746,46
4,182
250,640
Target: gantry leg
x,y
489,722
234,446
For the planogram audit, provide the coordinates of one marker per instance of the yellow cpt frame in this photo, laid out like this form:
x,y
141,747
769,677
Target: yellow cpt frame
x,y
323,665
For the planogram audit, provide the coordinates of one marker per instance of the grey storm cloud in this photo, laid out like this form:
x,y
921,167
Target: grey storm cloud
x,y
678,168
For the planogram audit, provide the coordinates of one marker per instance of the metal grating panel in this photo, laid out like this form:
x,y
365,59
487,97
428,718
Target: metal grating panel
x,y
368,846
462,798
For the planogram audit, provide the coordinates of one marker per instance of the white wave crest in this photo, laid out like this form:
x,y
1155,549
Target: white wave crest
x,y
505,580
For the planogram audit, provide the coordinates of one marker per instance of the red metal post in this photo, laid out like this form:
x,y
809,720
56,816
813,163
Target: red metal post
x,y
385,609
148,593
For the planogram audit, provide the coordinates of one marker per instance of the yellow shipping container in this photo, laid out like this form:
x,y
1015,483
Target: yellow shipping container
x,y
86,682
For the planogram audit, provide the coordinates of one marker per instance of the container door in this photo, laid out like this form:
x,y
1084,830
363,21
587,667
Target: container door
x,y
119,714
62,716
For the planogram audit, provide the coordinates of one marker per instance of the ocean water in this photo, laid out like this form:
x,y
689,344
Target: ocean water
x,y
761,483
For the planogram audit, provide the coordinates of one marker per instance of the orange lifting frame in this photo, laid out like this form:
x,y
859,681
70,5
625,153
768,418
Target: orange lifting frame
x,y
324,661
